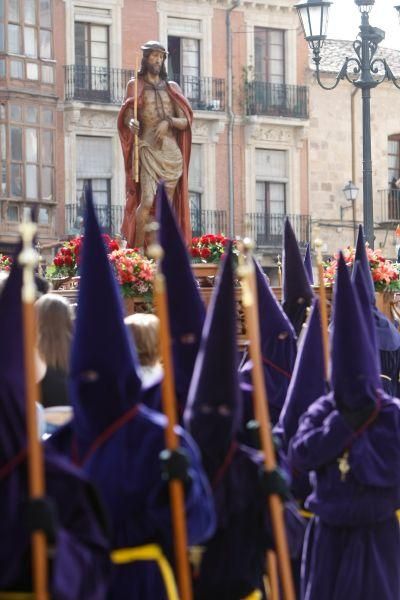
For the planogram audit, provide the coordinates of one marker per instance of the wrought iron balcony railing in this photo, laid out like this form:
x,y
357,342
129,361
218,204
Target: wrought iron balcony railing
x,y
109,217
267,229
203,93
390,205
208,221
96,84
276,99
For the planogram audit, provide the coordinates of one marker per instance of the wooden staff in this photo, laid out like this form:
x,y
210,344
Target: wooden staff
x,y
261,412
322,307
36,480
176,489
135,116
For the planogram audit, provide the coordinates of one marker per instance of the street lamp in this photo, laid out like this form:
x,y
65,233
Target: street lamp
x,y
361,70
350,192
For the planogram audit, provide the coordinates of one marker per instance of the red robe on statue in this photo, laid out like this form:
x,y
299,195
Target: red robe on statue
x,y
184,139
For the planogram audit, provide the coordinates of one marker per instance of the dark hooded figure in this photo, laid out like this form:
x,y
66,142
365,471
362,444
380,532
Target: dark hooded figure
x,y
308,264
297,294
278,349
350,441
78,542
387,336
185,305
233,561
118,440
307,385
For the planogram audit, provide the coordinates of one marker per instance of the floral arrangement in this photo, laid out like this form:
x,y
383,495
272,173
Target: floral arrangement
x,y
135,272
385,273
67,259
5,262
209,248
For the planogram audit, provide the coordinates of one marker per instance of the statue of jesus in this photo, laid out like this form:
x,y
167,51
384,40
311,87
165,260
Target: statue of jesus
x,y
164,130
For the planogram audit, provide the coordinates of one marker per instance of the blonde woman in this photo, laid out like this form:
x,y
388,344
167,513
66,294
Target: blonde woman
x,y
145,329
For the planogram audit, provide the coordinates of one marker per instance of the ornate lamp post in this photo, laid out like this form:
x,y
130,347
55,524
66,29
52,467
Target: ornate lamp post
x,y
361,70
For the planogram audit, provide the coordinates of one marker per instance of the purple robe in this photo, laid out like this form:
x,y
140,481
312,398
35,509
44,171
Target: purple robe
x,y
80,565
353,543
127,472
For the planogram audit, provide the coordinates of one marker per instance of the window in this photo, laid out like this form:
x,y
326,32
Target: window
x,y
16,69
393,208
393,158
29,168
32,71
28,33
30,42
14,39
47,74
271,180
196,188
92,60
269,55
94,164
30,12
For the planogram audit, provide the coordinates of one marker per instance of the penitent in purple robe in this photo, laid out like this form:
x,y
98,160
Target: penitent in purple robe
x,y
386,334
233,562
278,349
116,439
297,294
350,441
80,557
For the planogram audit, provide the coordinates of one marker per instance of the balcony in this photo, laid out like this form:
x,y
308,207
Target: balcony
x,y
277,100
109,217
203,93
96,84
390,205
208,221
267,230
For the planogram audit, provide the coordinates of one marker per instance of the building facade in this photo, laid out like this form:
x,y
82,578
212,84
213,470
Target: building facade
x,y
29,117
335,153
240,64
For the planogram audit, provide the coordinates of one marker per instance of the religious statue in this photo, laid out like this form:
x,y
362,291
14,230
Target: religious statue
x,y
163,143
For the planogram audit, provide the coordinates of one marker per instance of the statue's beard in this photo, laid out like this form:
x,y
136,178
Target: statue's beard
x,y
153,69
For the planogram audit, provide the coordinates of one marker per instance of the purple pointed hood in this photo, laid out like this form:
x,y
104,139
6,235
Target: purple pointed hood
x,y
213,410
308,379
361,256
12,376
186,308
278,345
363,293
104,380
297,294
308,264
355,371
387,336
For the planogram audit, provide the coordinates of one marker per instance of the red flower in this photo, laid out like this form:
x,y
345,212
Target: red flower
x,y
205,253
195,252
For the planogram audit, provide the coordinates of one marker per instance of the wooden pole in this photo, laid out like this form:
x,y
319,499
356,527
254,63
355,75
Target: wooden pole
x,y
172,442
135,116
36,479
261,412
322,307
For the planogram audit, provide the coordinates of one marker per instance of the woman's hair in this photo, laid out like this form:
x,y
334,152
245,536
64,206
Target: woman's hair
x,y
145,329
54,330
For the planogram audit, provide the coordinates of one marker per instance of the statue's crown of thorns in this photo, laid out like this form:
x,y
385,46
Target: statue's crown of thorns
x,y
152,46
